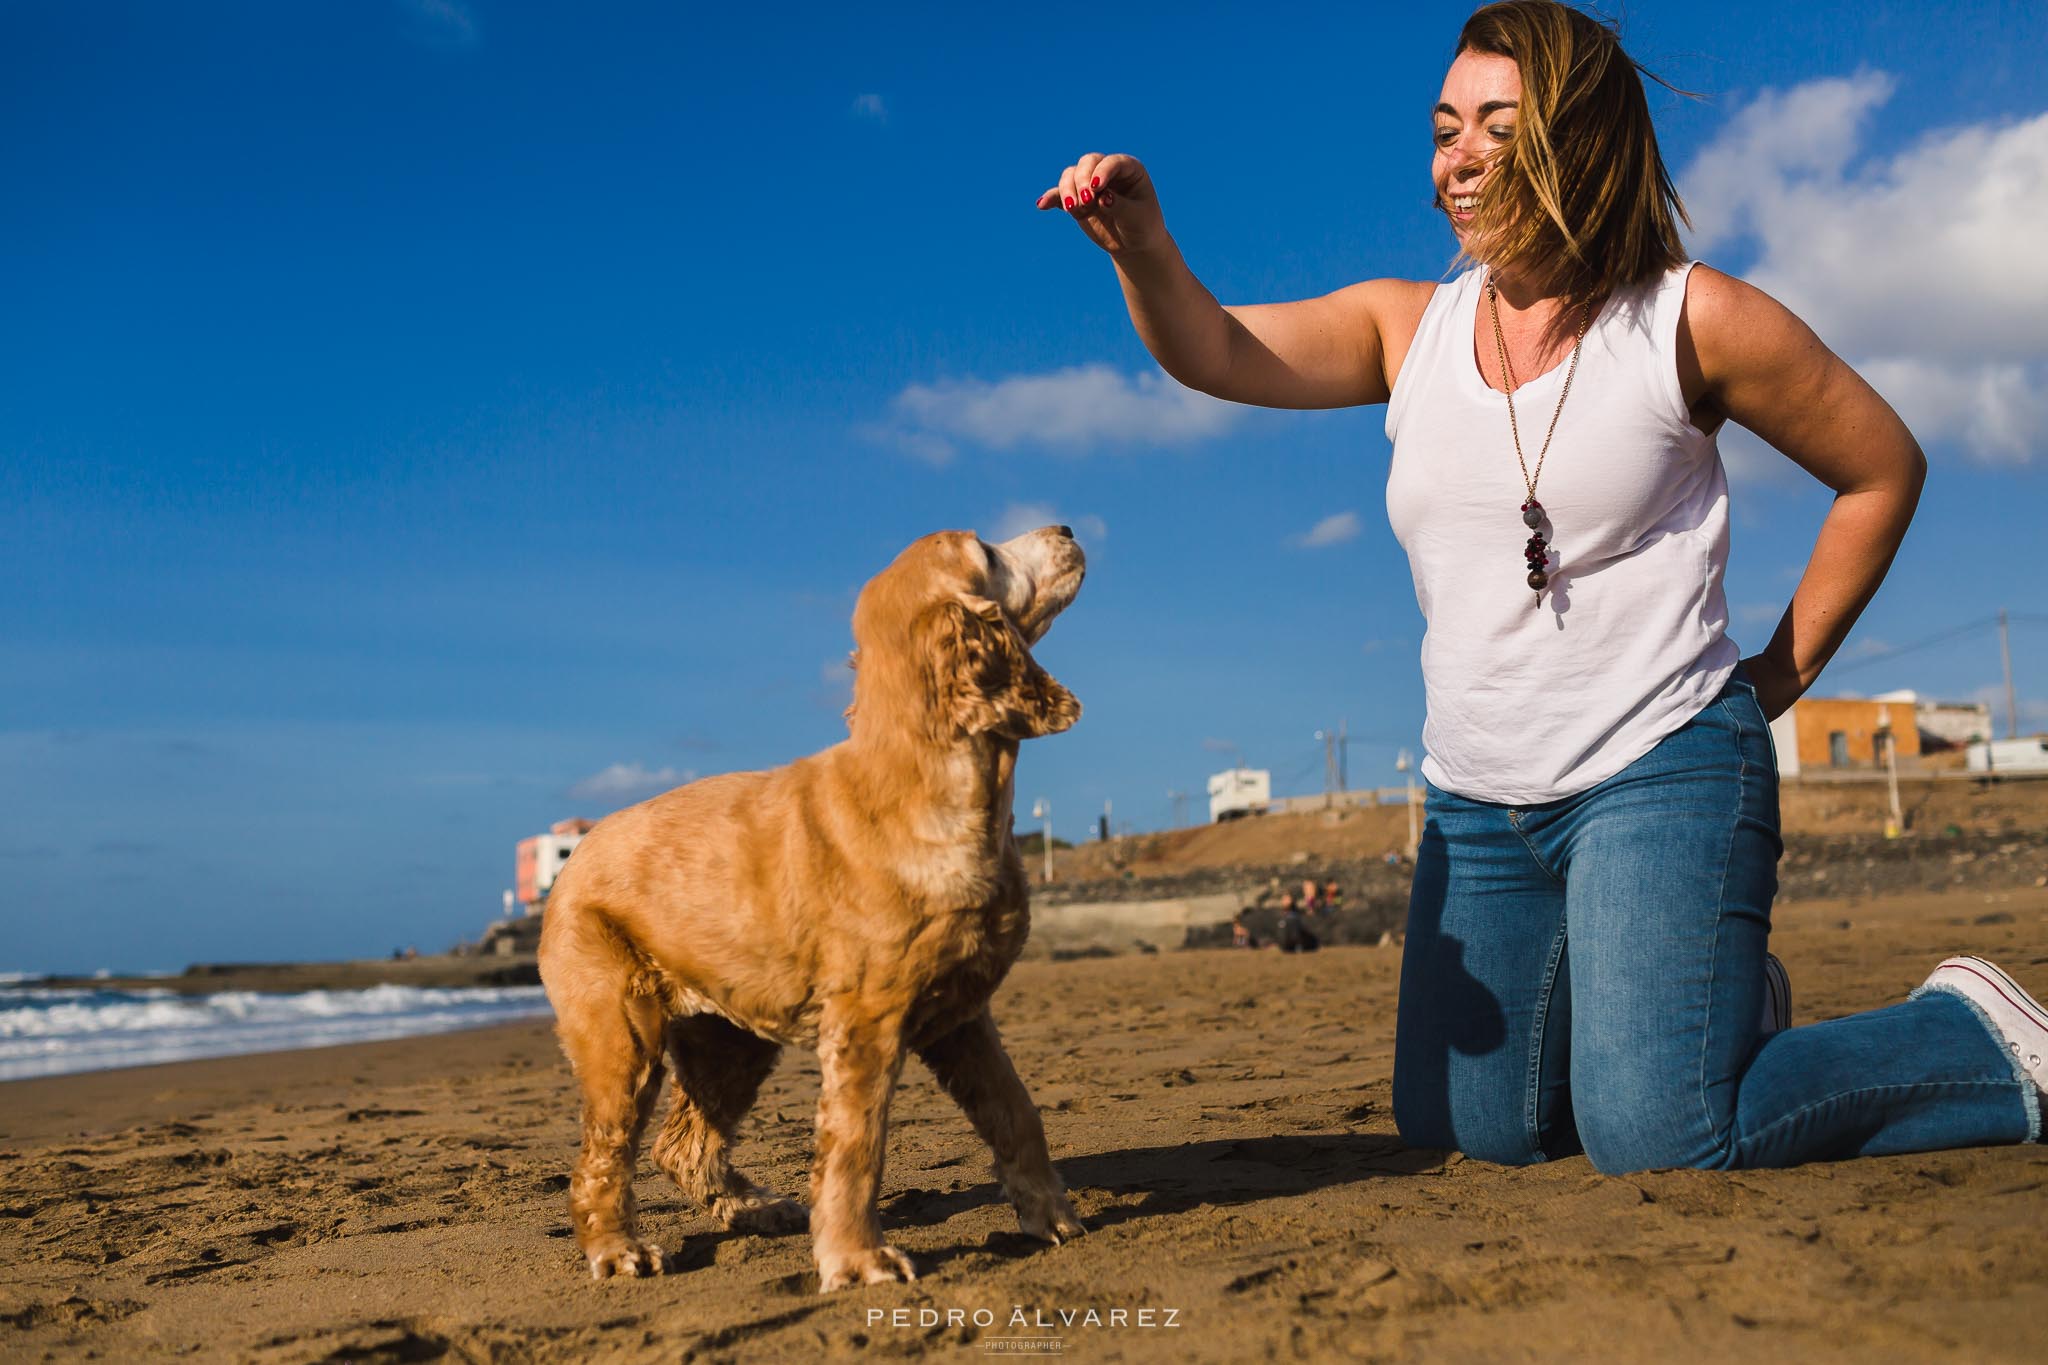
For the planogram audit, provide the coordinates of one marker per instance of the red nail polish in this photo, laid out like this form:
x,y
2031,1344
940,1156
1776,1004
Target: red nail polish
x,y
1070,201
1087,196
1096,181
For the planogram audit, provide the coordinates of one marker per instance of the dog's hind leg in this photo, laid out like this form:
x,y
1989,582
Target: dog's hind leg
x,y
610,1024
719,1069
975,1070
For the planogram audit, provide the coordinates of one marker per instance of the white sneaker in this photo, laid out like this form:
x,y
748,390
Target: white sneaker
x,y
1777,997
2016,1017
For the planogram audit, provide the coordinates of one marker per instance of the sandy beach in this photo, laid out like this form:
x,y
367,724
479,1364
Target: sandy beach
x,y
1222,1117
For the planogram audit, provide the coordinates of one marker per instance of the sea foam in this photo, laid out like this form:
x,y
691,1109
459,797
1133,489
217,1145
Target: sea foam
x,y
50,1032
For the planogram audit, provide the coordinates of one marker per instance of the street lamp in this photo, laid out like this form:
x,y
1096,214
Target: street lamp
x,y
1042,810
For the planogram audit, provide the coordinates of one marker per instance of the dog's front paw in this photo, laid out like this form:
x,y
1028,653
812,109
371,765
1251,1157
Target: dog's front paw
x,y
760,1212
869,1265
1049,1217
618,1254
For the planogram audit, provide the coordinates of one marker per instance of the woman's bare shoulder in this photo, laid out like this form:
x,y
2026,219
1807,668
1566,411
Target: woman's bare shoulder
x,y
1724,314
1396,308
1394,304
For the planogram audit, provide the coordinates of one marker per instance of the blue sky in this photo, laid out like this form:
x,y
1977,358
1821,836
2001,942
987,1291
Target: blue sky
x,y
426,420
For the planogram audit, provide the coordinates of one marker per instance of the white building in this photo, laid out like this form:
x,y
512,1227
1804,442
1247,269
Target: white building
x,y
1239,792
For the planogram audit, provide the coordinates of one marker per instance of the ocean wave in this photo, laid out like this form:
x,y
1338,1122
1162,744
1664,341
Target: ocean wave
x,y
49,1032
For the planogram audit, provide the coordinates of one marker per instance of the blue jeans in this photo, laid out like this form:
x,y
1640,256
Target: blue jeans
x,y
1586,975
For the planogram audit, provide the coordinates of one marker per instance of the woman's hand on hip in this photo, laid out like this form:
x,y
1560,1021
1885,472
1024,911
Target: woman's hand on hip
x,y
1112,199
1777,686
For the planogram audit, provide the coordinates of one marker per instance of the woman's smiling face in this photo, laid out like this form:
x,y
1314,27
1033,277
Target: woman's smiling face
x,y
1474,119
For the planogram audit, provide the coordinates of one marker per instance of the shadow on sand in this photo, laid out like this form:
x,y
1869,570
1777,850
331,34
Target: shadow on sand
x,y
1148,1182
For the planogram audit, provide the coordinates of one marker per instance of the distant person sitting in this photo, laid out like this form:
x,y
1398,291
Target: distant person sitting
x,y
1241,935
1295,935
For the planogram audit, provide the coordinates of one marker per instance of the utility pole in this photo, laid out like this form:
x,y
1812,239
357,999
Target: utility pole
x,y
1042,810
1891,771
1336,762
1180,808
1402,765
2012,711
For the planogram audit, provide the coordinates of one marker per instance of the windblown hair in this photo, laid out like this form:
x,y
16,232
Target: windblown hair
x,y
1580,197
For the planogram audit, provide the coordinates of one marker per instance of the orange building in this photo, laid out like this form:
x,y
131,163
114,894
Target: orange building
x,y
1836,734
538,859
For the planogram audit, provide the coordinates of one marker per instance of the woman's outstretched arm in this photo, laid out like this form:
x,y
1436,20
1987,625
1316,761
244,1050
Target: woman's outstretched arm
x,y
1326,352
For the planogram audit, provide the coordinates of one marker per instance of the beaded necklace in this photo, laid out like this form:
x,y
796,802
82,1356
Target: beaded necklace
x,y
1537,551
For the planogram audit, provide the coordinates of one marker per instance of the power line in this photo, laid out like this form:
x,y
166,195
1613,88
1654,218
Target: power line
x,y
1888,655
2002,622
1302,771
2031,618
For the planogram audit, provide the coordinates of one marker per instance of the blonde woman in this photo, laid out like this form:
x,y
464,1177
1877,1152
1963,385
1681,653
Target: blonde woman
x,y
1586,965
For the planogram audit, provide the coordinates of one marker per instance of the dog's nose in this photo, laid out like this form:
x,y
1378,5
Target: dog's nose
x,y
1066,531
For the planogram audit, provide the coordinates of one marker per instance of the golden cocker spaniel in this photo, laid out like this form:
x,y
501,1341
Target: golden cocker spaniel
x,y
869,897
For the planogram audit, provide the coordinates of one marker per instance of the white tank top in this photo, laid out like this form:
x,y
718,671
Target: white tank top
x,y
1531,703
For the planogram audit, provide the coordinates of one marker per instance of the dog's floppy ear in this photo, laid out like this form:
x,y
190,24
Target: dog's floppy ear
x,y
986,680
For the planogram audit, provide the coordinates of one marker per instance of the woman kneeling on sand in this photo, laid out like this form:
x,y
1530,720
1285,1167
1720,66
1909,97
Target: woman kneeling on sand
x,y
1586,966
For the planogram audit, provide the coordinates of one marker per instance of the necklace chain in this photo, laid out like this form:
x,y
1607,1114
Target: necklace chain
x,y
1537,551
1508,386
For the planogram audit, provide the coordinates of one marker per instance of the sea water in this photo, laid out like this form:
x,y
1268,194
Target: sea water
x,y
46,1031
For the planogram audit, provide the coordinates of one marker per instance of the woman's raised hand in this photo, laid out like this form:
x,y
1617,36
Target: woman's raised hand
x,y
1111,198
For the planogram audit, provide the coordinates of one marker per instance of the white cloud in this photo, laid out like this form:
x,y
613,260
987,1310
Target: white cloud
x,y
870,107
624,783
836,678
1997,410
1070,412
1750,459
1019,517
1778,141
1918,266
1331,530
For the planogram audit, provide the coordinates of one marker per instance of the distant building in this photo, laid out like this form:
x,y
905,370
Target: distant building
x,y
1239,792
2013,757
1843,734
539,860
1951,724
